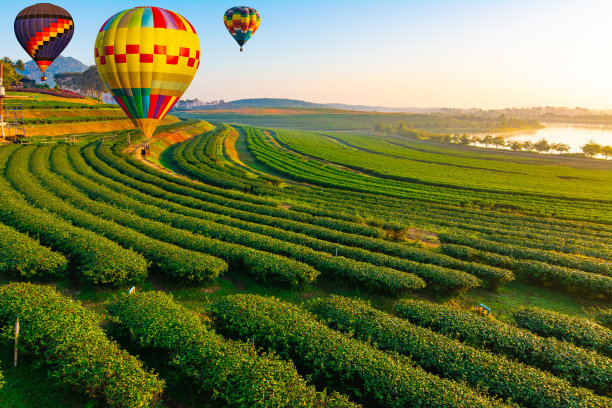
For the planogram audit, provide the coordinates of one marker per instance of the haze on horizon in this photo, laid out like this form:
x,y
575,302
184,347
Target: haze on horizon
x,y
443,53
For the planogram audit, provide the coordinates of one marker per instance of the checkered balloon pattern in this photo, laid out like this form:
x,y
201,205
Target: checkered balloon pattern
x,y
44,30
147,57
242,22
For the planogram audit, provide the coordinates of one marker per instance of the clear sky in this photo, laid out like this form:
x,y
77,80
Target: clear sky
x,y
451,53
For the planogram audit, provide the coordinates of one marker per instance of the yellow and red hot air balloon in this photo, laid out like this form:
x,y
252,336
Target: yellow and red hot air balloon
x,y
147,57
242,22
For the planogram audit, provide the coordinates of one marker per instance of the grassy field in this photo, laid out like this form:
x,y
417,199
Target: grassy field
x,y
338,120
218,211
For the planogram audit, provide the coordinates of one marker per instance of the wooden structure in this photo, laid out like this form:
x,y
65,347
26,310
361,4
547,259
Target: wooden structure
x,y
12,126
145,149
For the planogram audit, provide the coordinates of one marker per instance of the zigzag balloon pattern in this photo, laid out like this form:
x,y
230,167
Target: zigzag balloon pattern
x,y
44,30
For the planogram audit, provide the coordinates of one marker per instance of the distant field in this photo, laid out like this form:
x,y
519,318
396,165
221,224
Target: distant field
x,y
392,159
335,120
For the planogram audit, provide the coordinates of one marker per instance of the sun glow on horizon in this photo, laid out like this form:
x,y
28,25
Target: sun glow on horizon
x,y
442,53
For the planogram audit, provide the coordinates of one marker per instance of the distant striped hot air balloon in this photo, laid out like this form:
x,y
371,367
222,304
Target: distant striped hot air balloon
x,y
44,30
147,57
242,22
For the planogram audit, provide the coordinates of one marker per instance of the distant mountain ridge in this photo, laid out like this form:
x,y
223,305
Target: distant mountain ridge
x,y
61,64
295,103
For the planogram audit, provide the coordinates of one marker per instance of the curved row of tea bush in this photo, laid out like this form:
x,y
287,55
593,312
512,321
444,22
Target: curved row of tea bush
x,y
184,157
371,276
336,361
520,252
569,280
21,255
67,338
98,259
444,278
139,171
58,197
605,318
308,169
228,371
450,358
580,331
264,266
580,367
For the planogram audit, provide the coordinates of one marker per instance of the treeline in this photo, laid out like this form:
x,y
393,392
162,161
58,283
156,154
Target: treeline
x,y
590,149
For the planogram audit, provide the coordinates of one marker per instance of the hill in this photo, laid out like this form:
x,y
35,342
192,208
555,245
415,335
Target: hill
x,y
61,64
295,103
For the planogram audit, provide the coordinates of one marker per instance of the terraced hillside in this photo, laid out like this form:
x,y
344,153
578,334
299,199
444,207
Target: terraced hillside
x,y
251,230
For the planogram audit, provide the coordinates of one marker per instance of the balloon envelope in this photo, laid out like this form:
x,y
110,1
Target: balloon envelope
x,y
147,57
242,22
44,30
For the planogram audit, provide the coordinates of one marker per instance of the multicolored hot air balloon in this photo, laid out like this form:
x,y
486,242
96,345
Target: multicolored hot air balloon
x,y
147,57
242,22
44,30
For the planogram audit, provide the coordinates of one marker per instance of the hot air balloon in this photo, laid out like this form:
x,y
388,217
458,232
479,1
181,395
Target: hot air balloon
x,y
44,30
242,22
147,57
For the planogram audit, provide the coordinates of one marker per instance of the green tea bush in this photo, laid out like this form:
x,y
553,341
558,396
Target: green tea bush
x,y
450,358
231,372
67,339
23,256
582,332
580,367
98,259
334,360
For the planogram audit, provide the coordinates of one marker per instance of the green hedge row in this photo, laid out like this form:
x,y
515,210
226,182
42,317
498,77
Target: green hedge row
x,y
580,367
450,358
520,252
67,338
98,259
75,206
570,280
262,265
605,318
248,202
371,276
582,332
184,158
445,279
23,256
231,372
352,262
334,360
71,119
559,244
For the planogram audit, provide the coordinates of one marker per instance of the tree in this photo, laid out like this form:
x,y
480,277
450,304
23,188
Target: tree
x,y
559,147
91,83
541,145
487,140
528,145
465,140
475,139
389,129
401,127
11,75
499,141
87,82
516,146
379,127
591,149
606,151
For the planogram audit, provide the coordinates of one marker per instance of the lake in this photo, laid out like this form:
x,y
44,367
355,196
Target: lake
x,y
573,135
